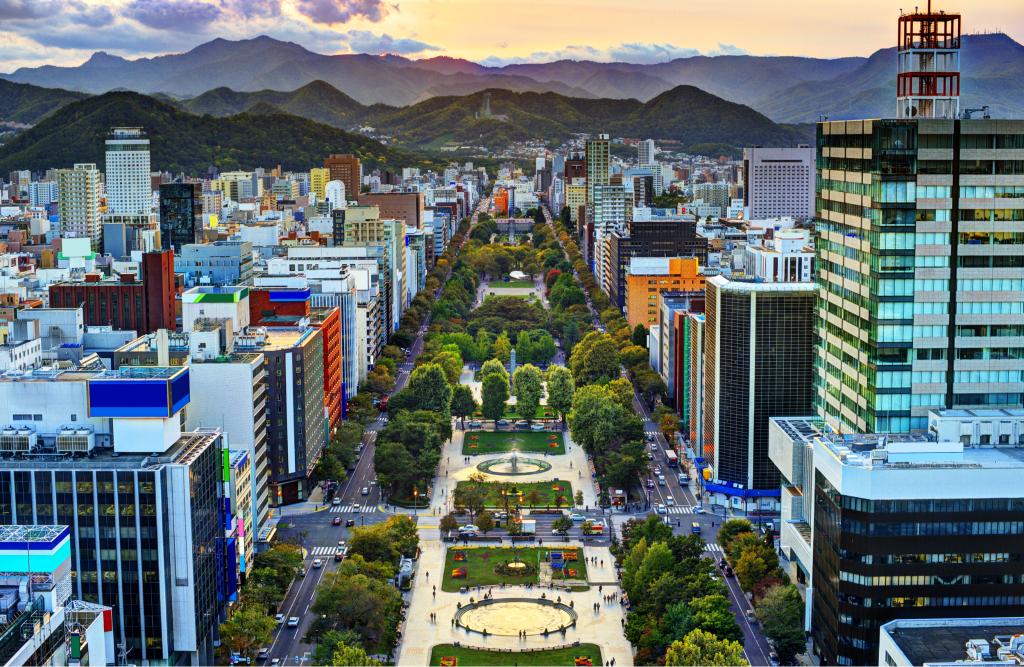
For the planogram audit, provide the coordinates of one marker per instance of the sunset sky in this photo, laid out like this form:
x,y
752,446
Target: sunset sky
x,y
66,32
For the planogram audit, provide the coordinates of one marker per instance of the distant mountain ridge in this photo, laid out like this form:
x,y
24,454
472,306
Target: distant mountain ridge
x,y
787,89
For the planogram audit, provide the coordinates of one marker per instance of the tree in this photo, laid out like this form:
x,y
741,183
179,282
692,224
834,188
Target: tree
x,y
703,648
429,389
730,529
533,498
448,523
502,348
669,426
527,382
402,532
494,394
594,360
247,628
560,388
472,494
354,656
463,402
781,613
483,345
451,363
751,567
562,525
639,336
490,367
622,392
485,521
579,498
711,613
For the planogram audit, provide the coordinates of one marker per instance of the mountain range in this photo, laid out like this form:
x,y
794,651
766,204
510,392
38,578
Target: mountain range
x,y
786,89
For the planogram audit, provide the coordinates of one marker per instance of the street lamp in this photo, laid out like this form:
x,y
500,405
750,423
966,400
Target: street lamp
x,y
415,499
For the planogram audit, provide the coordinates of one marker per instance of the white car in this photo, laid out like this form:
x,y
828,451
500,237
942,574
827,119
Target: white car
x,y
279,618
698,509
670,501
293,622
318,563
577,517
365,491
660,509
657,470
469,528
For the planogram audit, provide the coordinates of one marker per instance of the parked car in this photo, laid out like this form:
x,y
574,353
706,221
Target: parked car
x,y
263,654
474,424
336,521
537,427
293,622
502,422
650,456
522,424
279,618
468,528
577,517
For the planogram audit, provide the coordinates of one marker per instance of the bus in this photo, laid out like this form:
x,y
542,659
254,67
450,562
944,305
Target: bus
x,y
671,458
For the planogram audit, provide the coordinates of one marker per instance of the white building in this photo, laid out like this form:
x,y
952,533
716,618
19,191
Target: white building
x,y
335,194
786,257
79,203
129,189
645,152
41,193
779,182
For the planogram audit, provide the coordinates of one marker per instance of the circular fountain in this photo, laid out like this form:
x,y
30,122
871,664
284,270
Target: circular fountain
x,y
513,465
510,616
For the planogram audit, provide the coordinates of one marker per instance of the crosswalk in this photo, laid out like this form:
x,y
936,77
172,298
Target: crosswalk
x,y
677,509
654,432
339,509
713,548
322,551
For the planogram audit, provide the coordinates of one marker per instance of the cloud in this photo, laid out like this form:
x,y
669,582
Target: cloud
x,y
728,50
636,52
172,14
252,9
96,16
363,41
23,9
342,11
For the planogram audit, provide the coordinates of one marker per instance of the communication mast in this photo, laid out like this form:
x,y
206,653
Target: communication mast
x,y
928,79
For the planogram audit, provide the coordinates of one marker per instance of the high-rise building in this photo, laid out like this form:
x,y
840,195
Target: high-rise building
x,y
609,207
349,170
758,363
404,206
181,214
575,166
42,193
318,178
598,163
645,152
79,203
643,190
921,264
778,182
129,188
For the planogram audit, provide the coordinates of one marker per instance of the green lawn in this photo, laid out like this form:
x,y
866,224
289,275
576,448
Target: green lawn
x,y
480,562
545,491
556,657
489,442
519,284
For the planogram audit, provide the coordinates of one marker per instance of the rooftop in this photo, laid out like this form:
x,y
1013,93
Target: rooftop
x,y
38,533
944,640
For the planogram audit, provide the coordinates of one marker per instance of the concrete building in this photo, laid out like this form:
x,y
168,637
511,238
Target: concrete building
x,y
645,152
931,315
778,182
785,257
952,642
758,363
219,263
318,178
404,206
598,163
609,211
79,203
349,170
129,189
649,277
713,194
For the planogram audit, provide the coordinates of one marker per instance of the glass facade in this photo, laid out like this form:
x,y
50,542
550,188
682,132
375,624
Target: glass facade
x,y
878,560
181,205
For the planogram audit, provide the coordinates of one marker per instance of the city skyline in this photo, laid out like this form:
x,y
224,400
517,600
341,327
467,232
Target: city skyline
x,y
51,34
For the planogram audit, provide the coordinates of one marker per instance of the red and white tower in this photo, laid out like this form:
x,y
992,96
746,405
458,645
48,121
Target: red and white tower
x,y
928,79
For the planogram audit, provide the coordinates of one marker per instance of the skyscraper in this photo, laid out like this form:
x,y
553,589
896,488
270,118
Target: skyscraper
x,y
129,189
778,182
79,203
645,152
181,213
598,164
347,169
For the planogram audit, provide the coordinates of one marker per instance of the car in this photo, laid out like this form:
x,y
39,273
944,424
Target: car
x,y
657,470
274,662
537,427
773,658
373,482
336,501
683,479
263,654
293,622
341,544
695,528
722,562
650,456
317,564
698,510
522,424
577,517
654,447
650,483
468,528
338,555
349,523
474,424
727,571
670,501
365,491
336,521
356,509
660,509
661,481
302,572
502,422
279,618
750,615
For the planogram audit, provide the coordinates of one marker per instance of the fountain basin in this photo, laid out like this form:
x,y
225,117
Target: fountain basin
x,y
510,616
513,466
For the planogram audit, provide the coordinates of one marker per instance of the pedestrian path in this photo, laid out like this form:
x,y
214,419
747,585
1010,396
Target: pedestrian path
x,y
713,548
339,509
678,509
322,551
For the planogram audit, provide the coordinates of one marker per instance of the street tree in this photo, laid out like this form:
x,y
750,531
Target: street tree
x,y
703,648
780,612
711,613
528,384
502,348
494,393
246,629
484,521
562,525
594,360
579,498
429,389
448,523
463,402
490,367
639,336
561,388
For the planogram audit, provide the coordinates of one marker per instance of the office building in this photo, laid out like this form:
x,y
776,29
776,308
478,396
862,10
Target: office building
x,y
929,315
715,195
404,206
347,169
649,277
181,214
645,152
43,625
643,190
79,203
598,163
758,363
129,189
141,496
318,178
609,215
905,526
944,642
219,263
42,193
335,194
141,303
783,257
673,351
778,182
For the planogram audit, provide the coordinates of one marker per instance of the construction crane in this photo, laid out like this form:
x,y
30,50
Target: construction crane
x,y
966,113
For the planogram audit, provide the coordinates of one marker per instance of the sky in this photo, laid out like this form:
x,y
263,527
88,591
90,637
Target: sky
x,y
67,32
